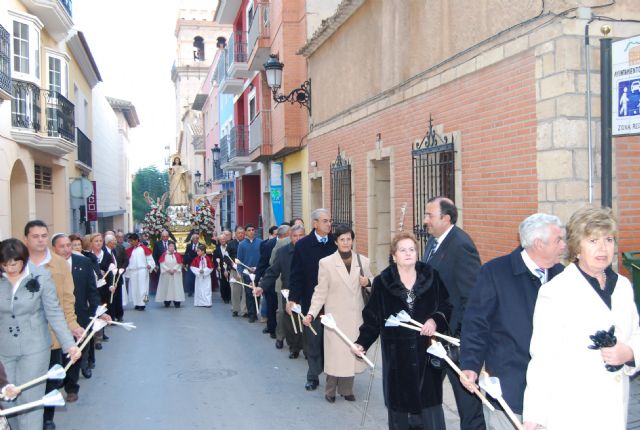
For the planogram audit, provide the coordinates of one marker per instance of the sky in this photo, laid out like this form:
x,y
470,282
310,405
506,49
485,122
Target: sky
x,y
133,44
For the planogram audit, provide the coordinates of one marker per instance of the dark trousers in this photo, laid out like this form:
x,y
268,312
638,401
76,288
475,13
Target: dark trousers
x,y
53,384
154,278
225,289
469,405
73,375
114,309
272,309
251,302
430,419
189,281
313,347
294,338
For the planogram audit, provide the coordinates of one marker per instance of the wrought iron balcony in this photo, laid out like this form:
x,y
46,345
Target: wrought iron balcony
x,y
258,39
84,148
28,105
239,144
5,64
226,83
260,136
237,66
220,175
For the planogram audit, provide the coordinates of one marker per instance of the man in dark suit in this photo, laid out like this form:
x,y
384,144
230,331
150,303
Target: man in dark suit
x,y
302,282
498,322
281,269
121,260
238,299
223,263
87,300
190,254
453,254
266,247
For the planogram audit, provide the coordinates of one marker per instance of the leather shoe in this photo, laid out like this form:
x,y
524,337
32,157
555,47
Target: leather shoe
x,y
279,344
234,314
311,385
92,365
105,337
330,399
86,372
272,335
98,346
72,397
252,319
294,354
350,398
49,425
265,330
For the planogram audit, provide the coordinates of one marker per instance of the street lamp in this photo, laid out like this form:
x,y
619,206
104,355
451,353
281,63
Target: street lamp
x,y
302,95
199,184
216,154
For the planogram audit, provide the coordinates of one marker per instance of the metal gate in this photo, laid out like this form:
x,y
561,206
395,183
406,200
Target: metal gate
x,y
433,175
341,191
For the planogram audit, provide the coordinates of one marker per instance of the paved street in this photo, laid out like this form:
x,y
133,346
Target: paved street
x,y
199,368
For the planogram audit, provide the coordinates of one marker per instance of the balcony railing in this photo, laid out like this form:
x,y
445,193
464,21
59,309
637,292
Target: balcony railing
x,y
237,48
27,106
5,61
260,132
239,142
67,5
84,148
221,175
259,26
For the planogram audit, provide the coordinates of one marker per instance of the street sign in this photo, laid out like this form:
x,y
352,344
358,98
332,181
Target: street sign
x,y
626,87
92,204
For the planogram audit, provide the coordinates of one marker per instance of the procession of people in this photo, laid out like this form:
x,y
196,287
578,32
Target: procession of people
x,y
521,319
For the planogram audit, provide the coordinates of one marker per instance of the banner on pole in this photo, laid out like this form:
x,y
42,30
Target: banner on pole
x,y
277,192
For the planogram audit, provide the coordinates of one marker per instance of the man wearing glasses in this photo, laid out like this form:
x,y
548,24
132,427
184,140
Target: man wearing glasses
x,y
302,281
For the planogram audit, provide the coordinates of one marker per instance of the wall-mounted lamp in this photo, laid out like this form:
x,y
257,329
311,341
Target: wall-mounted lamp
x,y
198,184
302,95
314,164
216,153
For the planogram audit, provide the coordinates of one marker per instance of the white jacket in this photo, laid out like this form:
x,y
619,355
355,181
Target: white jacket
x,y
568,386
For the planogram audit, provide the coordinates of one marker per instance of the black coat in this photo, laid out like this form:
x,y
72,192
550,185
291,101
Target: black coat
x,y
84,289
232,248
498,323
190,254
94,262
409,383
281,267
458,263
122,259
266,246
158,250
304,267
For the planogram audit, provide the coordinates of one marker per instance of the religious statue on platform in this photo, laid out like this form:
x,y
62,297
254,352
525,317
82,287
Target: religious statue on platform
x,y
178,185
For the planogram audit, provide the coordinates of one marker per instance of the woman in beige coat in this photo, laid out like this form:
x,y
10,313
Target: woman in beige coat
x,y
339,290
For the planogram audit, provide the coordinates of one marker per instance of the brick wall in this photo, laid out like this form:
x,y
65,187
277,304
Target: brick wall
x,y
494,112
627,173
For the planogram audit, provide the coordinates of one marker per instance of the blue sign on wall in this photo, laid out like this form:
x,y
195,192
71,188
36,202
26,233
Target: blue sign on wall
x,y
277,192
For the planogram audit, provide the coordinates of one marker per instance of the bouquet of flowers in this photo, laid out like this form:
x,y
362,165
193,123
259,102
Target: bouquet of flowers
x,y
203,219
156,220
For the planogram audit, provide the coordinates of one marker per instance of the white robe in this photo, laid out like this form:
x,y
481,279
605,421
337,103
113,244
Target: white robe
x,y
568,386
170,286
202,293
138,275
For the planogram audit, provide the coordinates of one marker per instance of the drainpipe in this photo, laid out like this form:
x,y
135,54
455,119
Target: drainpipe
x,y
587,56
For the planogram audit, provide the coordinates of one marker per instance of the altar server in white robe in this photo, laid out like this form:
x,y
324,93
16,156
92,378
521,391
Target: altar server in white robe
x,y
202,266
170,286
140,264
569,385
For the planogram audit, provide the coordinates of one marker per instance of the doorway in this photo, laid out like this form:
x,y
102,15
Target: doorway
x,y
379,214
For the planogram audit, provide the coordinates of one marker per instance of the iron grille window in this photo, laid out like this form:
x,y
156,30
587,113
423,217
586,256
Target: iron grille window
x,y
5,60
433,175
43,178
341,207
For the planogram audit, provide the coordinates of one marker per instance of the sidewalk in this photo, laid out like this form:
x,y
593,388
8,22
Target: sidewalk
x,y
634,404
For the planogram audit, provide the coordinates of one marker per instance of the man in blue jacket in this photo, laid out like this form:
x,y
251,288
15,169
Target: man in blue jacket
x,y
302,282
249,256
498,322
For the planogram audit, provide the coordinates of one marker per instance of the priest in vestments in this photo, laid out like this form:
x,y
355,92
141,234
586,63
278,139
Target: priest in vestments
x,y
140,264
201,267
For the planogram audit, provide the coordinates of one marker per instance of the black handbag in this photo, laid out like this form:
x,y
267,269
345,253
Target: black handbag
x,y
366,294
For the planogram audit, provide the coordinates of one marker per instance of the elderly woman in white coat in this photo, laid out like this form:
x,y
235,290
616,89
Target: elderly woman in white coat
x,y
569,385
341,278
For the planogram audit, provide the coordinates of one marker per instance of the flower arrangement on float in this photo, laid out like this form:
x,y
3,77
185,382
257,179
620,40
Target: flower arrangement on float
x,y
203,219
156,220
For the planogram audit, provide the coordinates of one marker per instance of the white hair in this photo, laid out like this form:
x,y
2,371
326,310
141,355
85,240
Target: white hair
x,y
296,228
283,230
535,227
315,215
109,238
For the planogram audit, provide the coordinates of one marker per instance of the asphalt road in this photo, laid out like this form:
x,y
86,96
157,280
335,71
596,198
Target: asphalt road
x,y
199,368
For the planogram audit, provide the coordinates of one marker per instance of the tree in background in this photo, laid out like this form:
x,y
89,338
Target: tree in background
x,y
148,179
